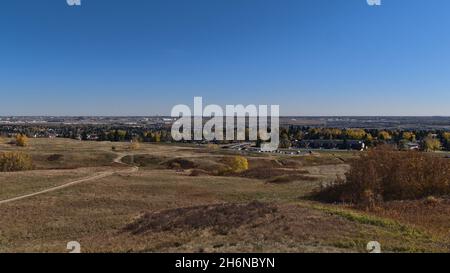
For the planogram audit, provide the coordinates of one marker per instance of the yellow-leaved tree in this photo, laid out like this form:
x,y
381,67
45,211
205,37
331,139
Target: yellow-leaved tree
x,y
134,145
239,164
15,161
409,136
21,140
384,135
431,144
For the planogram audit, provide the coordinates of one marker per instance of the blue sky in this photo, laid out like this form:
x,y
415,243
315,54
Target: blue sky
x,y
141,57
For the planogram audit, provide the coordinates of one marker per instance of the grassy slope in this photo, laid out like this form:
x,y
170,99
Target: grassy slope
x,y
94,213
17,184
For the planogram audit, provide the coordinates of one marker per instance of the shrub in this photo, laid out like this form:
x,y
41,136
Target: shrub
x,y
21,140
134,145
212,147
238,164
223,170
385,174
15,161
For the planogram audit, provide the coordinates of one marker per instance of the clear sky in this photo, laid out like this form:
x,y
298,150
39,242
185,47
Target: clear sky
x,y
141,57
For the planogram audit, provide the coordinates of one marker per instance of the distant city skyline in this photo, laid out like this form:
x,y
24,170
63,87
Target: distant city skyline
x,y
140,57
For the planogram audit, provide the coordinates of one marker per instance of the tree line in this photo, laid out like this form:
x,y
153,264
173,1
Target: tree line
x,y
430,140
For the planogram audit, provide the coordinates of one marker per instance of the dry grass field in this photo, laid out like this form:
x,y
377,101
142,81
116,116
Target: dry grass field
x,y
175,202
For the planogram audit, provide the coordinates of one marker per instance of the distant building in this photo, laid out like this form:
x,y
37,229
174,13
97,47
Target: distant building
x,y
92,137
413,146
331,144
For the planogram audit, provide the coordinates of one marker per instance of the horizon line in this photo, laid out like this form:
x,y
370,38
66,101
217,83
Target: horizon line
x,y
166,116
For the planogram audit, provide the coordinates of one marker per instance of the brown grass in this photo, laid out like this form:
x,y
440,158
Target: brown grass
x,y
431,214
95,213
17,184
144,161
268,173
198,172
221,218
55,157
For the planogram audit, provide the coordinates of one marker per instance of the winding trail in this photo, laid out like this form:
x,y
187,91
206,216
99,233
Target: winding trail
x,y
97,176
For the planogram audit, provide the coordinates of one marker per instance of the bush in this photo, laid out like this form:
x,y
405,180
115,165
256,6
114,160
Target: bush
x,y
15,161
134,145
232,165
212,147
237,164
21,140
386,174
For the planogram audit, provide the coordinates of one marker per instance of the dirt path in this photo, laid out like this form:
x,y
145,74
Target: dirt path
x,y
97,176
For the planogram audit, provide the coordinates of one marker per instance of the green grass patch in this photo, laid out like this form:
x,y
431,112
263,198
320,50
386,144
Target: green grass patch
x,y
365,219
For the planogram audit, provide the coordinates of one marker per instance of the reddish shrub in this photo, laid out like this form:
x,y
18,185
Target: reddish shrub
x,y
386,174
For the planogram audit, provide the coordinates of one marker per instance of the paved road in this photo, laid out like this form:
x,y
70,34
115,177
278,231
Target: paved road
x,y
97,176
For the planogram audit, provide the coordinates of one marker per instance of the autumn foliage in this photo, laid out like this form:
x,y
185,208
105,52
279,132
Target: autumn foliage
x,y
384,174
15,161
236,164
134,145
21,140
239,164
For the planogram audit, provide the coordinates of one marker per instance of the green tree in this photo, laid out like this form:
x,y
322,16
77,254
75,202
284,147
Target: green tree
x,y
284,141
446,140
84,136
